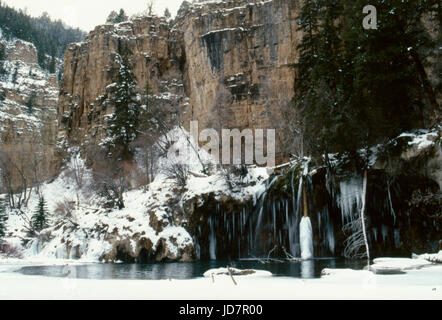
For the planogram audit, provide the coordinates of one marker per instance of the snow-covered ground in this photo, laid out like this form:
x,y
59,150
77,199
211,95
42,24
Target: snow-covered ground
x,y
424,283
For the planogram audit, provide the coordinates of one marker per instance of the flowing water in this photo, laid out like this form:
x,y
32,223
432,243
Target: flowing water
x,y
162,271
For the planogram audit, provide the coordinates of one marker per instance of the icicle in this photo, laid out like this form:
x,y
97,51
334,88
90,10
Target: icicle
x,y
299,199
391,204
258,224
328,232
293,190
350,199
319,222
212,245
274,219
384,233
306,238
397,238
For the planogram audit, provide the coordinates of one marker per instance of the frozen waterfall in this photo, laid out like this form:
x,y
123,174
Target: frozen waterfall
x,y
306,238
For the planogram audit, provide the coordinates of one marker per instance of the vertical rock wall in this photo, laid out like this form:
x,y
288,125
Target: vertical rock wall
x,y
246,48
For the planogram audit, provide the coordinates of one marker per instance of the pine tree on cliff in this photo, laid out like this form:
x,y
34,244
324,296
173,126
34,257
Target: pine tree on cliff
x,y
115,17
124,123
319,86
40,218
15,74
3,218
167,14
2,59
389,85
357,87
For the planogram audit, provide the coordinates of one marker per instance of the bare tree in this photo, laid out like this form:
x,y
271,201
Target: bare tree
x,y
77,171
291,135
20,172
178,172
356,244
148,152
109,178
154,138
150,4
64,212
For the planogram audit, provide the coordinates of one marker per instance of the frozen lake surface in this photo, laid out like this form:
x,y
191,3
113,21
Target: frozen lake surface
x,y
162,271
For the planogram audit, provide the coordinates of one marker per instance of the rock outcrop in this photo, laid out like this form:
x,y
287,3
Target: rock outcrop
x,y
89,71
247,47
244,50
28,110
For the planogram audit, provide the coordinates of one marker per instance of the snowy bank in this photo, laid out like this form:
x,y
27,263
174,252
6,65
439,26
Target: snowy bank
x,y
432,257
358,285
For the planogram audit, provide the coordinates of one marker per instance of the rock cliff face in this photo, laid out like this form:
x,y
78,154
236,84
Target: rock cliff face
x,y
28,109
245,50
248,47
89,66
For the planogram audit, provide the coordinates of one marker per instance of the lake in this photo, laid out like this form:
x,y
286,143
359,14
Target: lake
x,y
161,271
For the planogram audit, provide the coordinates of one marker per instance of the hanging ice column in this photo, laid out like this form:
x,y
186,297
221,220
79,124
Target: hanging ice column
x,y
306,238
212,239
305,227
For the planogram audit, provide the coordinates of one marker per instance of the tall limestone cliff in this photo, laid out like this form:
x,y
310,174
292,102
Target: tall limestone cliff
x,y
247,47
28,114
229,59
89,72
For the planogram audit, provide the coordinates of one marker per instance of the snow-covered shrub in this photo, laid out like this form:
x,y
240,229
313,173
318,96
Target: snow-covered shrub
x,y
10,251
234,175
178,172
64,210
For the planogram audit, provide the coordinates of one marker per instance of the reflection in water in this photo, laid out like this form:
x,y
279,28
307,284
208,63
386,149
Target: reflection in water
x,y
307,269
164,271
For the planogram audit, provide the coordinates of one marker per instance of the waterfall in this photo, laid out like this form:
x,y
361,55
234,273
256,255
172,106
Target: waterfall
x,y
212,239
375,233
384,230
327,229
306,238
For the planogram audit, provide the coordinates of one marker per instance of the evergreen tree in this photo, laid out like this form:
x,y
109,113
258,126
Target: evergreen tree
x,y
2,59
52,63
3,218
30,103
2,53
115,17
15,74
46,34
60,76
121,17
319,91
123,125
112,17
167,14
40,218
357,87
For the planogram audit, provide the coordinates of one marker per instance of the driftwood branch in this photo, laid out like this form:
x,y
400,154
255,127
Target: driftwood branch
x,y
231,276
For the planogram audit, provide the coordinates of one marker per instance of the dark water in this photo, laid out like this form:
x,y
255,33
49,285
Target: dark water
x,y
161,271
